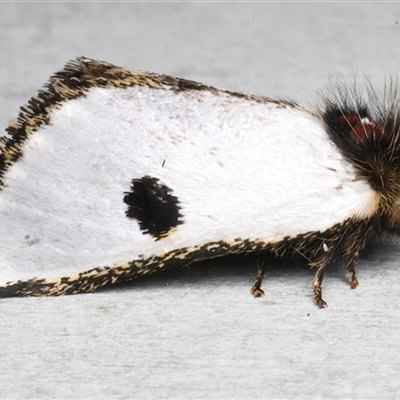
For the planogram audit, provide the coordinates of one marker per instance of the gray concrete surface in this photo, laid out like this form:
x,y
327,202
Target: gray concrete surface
x,y
198,334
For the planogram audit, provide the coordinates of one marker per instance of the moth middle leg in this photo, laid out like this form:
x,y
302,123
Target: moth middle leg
x,y
325,260
317,282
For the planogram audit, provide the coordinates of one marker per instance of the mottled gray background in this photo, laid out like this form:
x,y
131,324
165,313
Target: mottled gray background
x,y
198,333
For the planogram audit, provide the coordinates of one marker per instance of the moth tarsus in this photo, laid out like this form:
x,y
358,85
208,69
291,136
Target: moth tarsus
x,y
318,300
87,199
256,290
351,271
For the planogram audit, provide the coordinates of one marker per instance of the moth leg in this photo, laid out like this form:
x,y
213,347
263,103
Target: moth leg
x,y
256,290
317,283
321,265
355,242
351,271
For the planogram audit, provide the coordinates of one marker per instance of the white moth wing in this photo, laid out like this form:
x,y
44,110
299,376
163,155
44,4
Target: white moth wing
x,y
239,168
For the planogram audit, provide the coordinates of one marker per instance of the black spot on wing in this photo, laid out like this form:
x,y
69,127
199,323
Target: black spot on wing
x,y
152,204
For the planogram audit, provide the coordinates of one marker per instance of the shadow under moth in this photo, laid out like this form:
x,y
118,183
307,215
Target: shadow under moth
x,y
111,173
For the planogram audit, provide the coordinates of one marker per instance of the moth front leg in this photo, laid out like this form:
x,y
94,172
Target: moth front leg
x,y
355,242
351,270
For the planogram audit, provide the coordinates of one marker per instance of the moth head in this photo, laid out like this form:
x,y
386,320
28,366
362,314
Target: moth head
x,y
374,149
365,126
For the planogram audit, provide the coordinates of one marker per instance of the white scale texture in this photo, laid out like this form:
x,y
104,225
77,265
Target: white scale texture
x,y
240,169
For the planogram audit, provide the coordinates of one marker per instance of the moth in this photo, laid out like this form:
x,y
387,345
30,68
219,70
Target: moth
x,y
111,173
